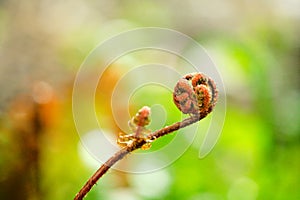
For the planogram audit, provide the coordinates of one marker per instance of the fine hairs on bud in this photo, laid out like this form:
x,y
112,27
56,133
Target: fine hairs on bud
x,y
195,93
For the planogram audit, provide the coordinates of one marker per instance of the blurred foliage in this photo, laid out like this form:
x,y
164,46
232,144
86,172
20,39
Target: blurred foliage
x,y
255,45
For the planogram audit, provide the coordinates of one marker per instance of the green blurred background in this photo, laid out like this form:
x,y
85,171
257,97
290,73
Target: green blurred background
x,y
255,45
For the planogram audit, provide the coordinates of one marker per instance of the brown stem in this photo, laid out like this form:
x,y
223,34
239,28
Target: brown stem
x,y
138,144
